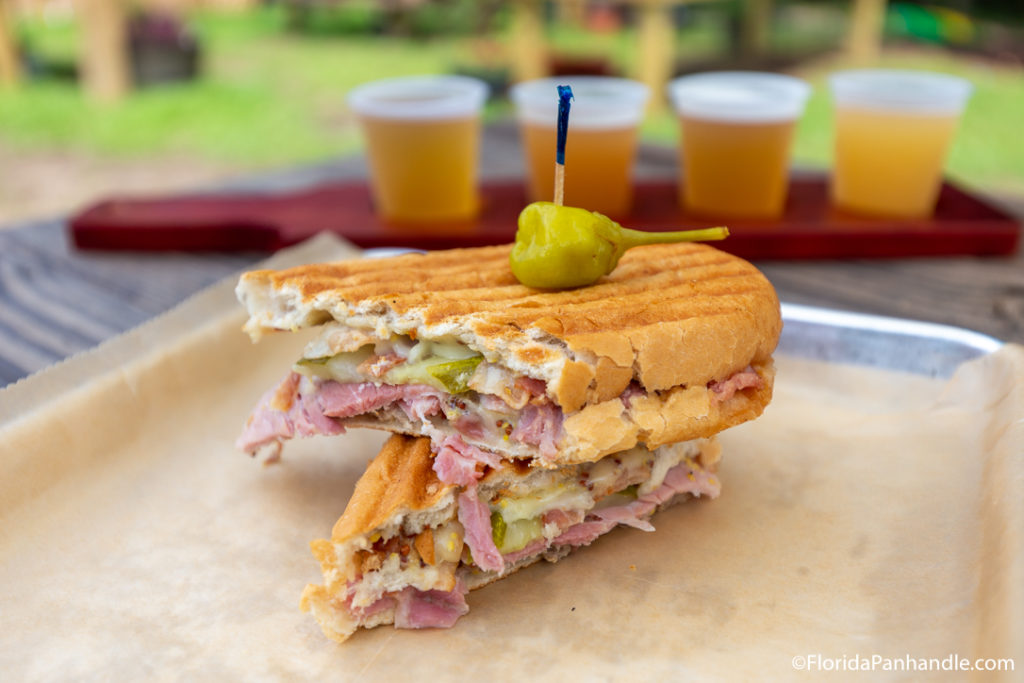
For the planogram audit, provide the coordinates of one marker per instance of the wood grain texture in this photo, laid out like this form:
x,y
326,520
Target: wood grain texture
x,y
982,294
55,301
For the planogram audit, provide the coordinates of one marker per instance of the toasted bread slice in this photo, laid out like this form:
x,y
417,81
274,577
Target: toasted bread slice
x,y
669,316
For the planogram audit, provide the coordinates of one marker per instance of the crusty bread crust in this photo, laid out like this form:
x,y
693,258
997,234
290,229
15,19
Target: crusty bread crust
x,y
660,418
400,480
668,316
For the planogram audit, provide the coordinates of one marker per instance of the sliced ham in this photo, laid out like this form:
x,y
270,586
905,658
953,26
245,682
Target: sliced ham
x,y
475,517
632,514
293,407
562,519
536,388
632,391
422,406
456,462
346,400
305,407
495,404
384,603
697,482
471,425
682,479
269,422
540,425
580,533
430,609
583,533
726,389
532,548
312,419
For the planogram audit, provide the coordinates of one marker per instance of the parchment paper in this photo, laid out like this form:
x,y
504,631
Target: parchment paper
x,y
866,513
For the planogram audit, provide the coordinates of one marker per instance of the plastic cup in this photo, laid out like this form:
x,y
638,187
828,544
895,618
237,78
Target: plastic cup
x,y
737,131
601,144
892,132
423,145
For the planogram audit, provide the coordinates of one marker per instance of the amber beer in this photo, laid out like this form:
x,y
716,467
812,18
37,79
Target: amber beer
x,y
598,177
734,169
423,146
600,145
737,131
424,171
893,130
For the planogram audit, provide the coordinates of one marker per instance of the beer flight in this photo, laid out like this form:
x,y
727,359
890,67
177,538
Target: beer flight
x,y
893,129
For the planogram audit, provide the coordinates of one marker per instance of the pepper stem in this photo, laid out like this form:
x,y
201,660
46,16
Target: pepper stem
x,y
634,238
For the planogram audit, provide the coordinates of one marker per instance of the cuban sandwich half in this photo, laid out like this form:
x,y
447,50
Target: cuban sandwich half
x,y
527,422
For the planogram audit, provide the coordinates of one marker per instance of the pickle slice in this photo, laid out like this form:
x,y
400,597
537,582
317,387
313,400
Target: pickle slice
x,y
454,375
311,362
343,367
498,528
510,537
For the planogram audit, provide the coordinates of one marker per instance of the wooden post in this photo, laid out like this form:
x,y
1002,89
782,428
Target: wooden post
x,y
656,34
756,25
104,49
529,48
9,66
867,23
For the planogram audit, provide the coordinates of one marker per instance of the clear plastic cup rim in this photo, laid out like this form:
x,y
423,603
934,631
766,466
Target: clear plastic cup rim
x,y
739,96
900,90
419,97
598,101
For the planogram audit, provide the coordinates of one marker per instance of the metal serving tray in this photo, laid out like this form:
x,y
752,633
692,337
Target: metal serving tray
x,y
888,343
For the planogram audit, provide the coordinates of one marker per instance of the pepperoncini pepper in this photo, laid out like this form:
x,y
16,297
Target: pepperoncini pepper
x,y
558,247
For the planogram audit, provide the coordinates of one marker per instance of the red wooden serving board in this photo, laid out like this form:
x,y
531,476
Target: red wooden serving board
x,y
810,228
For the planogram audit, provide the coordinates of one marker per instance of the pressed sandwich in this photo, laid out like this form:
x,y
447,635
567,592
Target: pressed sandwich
x,y
411,543
674,345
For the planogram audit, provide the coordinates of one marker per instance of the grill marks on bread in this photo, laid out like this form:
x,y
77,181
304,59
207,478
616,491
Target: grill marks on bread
x,y
461,282
398,481
669,315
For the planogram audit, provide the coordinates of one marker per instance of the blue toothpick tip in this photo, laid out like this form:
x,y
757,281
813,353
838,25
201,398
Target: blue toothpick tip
x,y
564,99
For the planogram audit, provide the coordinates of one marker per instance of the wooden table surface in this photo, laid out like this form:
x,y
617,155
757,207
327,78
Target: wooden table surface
x,y
56,301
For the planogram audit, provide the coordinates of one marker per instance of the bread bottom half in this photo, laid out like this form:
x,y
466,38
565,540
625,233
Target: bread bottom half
x,y
376,571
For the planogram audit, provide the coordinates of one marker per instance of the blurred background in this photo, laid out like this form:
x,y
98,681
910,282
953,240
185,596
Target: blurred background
x,y
116,96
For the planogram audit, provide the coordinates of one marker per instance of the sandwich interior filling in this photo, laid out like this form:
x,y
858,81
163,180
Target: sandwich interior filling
x,y
417,573
433,382
429,384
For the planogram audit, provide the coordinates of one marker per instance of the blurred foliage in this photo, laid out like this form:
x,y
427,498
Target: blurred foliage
x,y
265,96
406,18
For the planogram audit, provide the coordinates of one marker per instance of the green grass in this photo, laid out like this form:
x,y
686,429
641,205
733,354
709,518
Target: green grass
x,y
268,97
